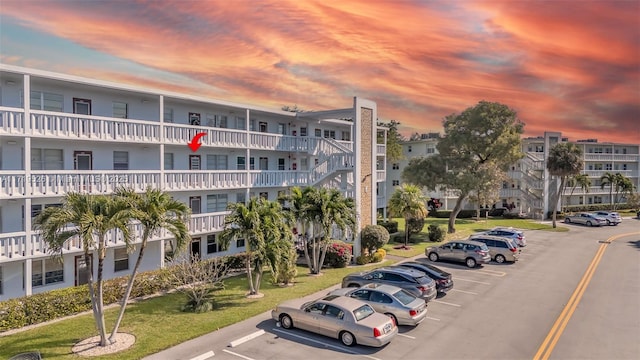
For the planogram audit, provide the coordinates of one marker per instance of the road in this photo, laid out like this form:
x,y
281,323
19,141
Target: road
x,y
570,296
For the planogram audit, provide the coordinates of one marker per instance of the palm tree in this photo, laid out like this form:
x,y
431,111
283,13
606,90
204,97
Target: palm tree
x,y
409,202
88,218
260,222
581,180
329,208
155,210
623,185
608,179
565,160
299,202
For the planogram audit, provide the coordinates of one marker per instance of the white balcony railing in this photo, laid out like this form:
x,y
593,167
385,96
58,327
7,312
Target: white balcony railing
x,y
599,173
381,149
177,180
278,178
11,121
381,175
14,245
611,157
218,137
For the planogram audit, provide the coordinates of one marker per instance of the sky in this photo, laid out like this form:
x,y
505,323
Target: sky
x,y
571,66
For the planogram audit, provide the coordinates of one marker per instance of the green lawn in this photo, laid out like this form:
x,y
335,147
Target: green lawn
x,y
158,323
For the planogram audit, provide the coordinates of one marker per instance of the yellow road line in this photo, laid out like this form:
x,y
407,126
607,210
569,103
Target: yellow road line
x,y
561,322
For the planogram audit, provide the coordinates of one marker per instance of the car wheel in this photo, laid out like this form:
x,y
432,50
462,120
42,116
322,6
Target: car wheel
x,y
567,220
471,262
433,257
285,321
353,285
608,222
588,223
347,338
500,259
393,318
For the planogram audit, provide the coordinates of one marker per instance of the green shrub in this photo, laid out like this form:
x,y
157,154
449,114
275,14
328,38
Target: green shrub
x,y
391,226
436,233
363,259
338,255
376,257
374,237
383,252
398,237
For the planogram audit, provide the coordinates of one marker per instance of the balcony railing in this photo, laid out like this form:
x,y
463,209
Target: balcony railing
x,y
381,175
278,178
177,180
11,121
381,149
218,137
14,245
611,157
599,173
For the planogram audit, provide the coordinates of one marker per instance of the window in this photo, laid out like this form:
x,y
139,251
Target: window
x,y
395,183
607,150
216,202
168,161
395,166
431,150
120,110
45,101
264,163
120,259
194,119
168,115
539,148
346,136
264,195
241,123
35,210
303,131
81,106
120,160
252,125
597,199
252,163
194,162
282,129
281,164
262,126
608,167
318,133
597,167
217,162
241,197
240,243
330,134
409,149
195,204
212,245
48,271
597,150
47,159
241,163
624,166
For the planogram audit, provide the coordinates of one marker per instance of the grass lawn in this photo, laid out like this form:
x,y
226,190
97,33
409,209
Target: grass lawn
x,y
464,228
158,323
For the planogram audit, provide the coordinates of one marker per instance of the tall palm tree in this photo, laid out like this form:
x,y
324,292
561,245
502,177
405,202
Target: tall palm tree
x,y
581,180
608,179
299,207
329,209
259,222
565,160
623,185
409,202
155,210
88,218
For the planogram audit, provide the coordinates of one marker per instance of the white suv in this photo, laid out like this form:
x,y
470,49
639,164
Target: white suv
x,y
613,218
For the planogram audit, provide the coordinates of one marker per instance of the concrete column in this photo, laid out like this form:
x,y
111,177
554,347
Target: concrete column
x,y
161,182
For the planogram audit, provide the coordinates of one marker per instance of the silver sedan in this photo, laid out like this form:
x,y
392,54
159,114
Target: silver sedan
x,y
397,303
349,320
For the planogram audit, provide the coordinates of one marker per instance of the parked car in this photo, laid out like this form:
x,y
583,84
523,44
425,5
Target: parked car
x,y
500,249
469,252
350,320
399,304
612,217
414,281
508,232
585,219
444,280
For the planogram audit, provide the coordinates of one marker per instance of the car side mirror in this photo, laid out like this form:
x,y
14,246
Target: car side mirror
x,y
307,310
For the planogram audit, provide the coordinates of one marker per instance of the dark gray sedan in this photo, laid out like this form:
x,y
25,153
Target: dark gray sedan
x,y
414,281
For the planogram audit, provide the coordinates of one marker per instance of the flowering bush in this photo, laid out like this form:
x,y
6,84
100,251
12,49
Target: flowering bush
x,y
338,255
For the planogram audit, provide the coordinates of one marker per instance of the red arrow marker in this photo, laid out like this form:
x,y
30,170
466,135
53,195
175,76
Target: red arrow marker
x,y
194,145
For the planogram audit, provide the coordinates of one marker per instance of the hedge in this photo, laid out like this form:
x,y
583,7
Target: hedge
x,y
54,304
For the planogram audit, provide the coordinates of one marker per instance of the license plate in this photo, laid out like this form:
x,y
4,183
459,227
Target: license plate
x,y
387,328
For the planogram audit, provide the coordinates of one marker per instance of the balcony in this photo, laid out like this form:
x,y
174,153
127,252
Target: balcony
x,y
14,246
11,121
181,134
381,150
182,180
599,173
611,157
381,175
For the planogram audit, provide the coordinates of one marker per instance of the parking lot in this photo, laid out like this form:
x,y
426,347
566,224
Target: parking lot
x,y
497,311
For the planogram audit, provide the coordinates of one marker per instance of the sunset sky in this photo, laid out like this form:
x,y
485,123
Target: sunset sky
x,y
570,66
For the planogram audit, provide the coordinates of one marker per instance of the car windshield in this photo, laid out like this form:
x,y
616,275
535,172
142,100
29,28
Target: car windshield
x,y
423,279
404,297
484,247
363,312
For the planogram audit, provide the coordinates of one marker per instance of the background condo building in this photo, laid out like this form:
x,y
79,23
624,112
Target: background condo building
x,y
61,133
530,188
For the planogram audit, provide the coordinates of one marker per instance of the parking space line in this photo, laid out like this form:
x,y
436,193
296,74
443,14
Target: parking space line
x,y
469,280
434,319
238,355
246,338
445,303
465,292
492,272
323,343
407,336
204,356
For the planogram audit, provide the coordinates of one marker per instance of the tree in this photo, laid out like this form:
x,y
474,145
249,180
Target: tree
x,y
486,133
633,200
298,203
394,149
608,179
92,218
408,202
489,180
328,208
260,222
565,160
155,210
373,237
198,280
293,108
623,186
581,180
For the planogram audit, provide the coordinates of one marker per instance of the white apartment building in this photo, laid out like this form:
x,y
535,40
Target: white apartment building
x,y
77,134
530,188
